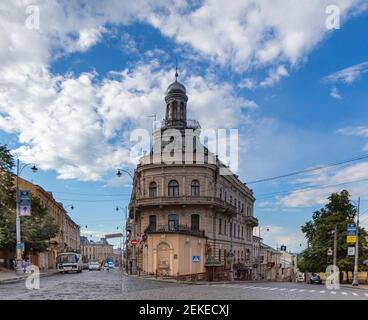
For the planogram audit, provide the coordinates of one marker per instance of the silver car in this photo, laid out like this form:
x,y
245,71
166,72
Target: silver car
x,y
94,266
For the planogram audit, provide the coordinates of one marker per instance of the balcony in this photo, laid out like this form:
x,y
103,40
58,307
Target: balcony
x,y
216,203
179,229
188,124
251,221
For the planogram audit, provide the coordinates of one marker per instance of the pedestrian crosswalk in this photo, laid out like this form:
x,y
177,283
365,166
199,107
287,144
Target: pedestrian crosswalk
x,y
291,290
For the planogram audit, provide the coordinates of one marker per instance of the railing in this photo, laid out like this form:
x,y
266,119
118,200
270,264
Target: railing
x,y
181,229
188,200
189,123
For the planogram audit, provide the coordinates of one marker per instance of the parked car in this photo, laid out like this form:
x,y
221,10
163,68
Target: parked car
x,y
85,266
94,266
314,279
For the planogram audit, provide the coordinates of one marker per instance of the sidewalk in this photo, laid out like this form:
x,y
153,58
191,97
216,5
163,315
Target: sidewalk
x,y
11,277
172,280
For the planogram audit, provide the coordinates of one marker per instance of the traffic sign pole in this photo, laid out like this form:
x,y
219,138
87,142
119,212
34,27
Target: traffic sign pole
x,y
355,280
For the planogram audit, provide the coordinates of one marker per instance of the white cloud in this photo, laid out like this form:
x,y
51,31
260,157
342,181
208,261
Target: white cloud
x,y
319,185
348,75
89,37
359,131
274,76
335,93
250,33
248,83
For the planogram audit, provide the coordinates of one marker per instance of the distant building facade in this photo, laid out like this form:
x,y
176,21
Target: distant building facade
x,y
68,237
96,250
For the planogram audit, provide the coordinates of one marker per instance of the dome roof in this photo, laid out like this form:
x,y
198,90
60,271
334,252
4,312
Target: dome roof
x,y
176,87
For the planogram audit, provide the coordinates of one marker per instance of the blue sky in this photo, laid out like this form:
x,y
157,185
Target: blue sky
x,y
73,89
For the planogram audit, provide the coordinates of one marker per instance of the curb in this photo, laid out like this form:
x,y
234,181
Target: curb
x,y
193,283
22,278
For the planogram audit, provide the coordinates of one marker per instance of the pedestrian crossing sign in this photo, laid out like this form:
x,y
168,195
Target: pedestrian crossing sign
x,y
195,259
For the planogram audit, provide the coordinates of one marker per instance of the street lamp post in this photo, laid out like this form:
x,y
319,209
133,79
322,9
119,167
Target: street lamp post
x,y
134,235
259,253
18,268
121,239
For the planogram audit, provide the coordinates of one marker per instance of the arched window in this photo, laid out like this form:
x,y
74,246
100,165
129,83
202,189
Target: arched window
x,y
175,111
238,231
153,189
194,222
173,188
195,188
219,252
173,222
181,110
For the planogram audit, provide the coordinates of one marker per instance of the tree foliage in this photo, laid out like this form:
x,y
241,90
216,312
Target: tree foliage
x,y
36,230
337,213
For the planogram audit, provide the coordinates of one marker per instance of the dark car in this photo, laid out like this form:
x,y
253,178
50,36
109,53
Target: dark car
x,y
315,279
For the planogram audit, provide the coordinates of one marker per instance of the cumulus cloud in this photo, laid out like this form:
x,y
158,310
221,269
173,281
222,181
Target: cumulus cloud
x,y
274,76
249,33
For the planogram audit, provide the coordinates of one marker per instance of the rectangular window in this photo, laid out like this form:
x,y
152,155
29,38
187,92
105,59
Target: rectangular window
x,y
243,233
220,226
231,230
194,222
152,223
225,231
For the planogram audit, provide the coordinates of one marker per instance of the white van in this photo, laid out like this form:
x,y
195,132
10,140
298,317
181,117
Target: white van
x,y
69,261
300,277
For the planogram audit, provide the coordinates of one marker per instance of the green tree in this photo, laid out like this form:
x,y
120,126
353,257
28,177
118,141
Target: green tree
x,y
36,230
337,213
7,191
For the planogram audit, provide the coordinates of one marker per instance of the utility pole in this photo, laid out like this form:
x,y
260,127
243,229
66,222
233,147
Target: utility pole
x,y
335,246
355,279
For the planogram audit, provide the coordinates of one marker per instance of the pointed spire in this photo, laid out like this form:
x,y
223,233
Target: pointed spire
x,y
176,70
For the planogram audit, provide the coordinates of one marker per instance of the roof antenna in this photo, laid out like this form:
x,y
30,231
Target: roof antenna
x,y
176,70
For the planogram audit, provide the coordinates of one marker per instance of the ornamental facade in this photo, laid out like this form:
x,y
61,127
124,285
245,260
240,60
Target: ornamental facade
x,y
186,213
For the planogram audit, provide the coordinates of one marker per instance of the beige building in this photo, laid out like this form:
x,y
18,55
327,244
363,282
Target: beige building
x,y
188,212
96,250
68,237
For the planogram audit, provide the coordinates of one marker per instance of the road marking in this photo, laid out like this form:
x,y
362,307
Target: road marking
x,y
301,290
366,294
344,293
292,290
333,292
312,290
355,294
273,288
322,291
283,289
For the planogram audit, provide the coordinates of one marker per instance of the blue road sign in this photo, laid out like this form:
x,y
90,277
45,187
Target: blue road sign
x,y
351,226
195,258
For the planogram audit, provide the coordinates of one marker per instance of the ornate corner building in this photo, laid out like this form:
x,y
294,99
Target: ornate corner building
x,y
186,214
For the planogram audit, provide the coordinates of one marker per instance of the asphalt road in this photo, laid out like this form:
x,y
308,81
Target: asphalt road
x,y
111,285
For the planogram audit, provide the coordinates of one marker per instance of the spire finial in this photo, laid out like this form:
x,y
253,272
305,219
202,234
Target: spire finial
x,y
176,70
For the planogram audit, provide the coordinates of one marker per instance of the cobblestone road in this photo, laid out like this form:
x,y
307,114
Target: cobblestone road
x,y
111,285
